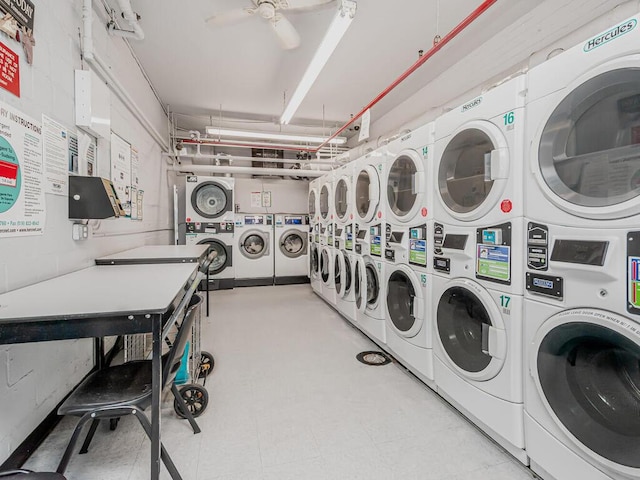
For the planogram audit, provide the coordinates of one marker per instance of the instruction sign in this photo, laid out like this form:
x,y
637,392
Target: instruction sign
x,y
493,261
22,203
418,252
56,154
9,70
121,171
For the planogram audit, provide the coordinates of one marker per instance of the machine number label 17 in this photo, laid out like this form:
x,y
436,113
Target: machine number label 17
x,y
509,118
504,301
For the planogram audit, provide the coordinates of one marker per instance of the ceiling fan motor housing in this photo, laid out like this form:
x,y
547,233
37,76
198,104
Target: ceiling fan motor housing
x,y
266,9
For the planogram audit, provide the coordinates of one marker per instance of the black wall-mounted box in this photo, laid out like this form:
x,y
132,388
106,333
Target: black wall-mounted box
x,y
93,198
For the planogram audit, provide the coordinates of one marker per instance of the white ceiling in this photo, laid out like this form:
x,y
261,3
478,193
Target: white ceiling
x,y
240,73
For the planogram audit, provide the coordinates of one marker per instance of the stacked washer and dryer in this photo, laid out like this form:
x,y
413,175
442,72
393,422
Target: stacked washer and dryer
x,y
314,236
327,226
409,205
582,299
210,220
344,257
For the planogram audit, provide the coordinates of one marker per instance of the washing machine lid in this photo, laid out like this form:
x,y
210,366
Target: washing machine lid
x,y
341,198
405,301
223,258
293,243
211,199
312,203
324,201
471,162
367,192
405,185
586,367
589,149
471,330
254,244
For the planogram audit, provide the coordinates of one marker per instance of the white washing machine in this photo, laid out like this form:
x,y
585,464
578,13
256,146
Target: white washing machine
x,y
479,154
477,350
254,254
209,199
314,199
369,291
407,182
583,132
314,267
219,236
409,322
292,249
582,356
344,261
327,272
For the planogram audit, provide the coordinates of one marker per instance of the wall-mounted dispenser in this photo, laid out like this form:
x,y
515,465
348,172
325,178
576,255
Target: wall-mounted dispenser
x,y
93,198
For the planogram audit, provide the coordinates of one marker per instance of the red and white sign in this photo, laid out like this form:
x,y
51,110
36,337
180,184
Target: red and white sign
x,y
9,70
8,174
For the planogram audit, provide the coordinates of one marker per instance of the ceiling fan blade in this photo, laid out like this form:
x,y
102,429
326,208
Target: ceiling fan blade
x,y
301,5
285,31
230,17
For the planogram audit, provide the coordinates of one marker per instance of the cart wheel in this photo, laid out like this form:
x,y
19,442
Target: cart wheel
x,y
206,364
195,397
113,423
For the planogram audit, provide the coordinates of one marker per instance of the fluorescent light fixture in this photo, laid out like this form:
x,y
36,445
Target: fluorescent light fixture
x,y
338,27
223,132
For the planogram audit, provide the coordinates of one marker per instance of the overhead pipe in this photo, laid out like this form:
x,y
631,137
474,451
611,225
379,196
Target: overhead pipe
x,y
104,70
221,143
421,61
132,19
251,159
291,172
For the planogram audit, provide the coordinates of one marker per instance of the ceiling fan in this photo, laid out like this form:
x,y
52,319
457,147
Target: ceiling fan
x,y
271,10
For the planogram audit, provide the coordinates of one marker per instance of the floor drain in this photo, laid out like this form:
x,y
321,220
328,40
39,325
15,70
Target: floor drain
x,y
373,358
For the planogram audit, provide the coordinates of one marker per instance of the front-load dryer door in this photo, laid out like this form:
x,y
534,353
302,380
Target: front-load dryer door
x,y
223,255
211,199
347,274
313,202
359,286
293,243
254,244
471,330
473,170
371,285
586,367
405,301
342,201
405,186
589,150
315,262
324,201
367,193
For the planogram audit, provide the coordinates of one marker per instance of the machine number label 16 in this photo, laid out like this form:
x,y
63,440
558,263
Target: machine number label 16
x,y
504,301
509,118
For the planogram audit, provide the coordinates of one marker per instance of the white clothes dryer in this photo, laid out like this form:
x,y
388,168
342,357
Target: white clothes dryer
x,y
583,132
209,199
582,351
314,268
370,295
219,238
343,198
314,199
327,274
407,183
254,258
291,249
479,155
478,357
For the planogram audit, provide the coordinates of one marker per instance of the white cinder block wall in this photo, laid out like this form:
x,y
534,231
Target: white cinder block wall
x,y
35,377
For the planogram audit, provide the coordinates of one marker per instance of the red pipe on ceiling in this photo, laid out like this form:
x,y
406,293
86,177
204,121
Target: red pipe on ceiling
x,y
421,61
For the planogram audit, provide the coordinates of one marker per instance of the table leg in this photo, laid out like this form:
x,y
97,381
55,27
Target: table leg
x,y
156,390
98,347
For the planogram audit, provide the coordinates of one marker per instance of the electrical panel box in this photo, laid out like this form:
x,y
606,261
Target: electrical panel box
x,y
93,198
93,104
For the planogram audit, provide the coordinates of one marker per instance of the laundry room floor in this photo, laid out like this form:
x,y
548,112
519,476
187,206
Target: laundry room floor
x,y
289,400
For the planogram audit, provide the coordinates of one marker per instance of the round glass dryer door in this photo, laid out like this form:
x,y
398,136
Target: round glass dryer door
x,y
464,174
325,272
324,202
315,262
471,332
312,203
404,302
357,286
211,200
254,244
293,244
373,285
337,273
342,198
587,368
348,273
404,186
223,255
589,150
367,192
